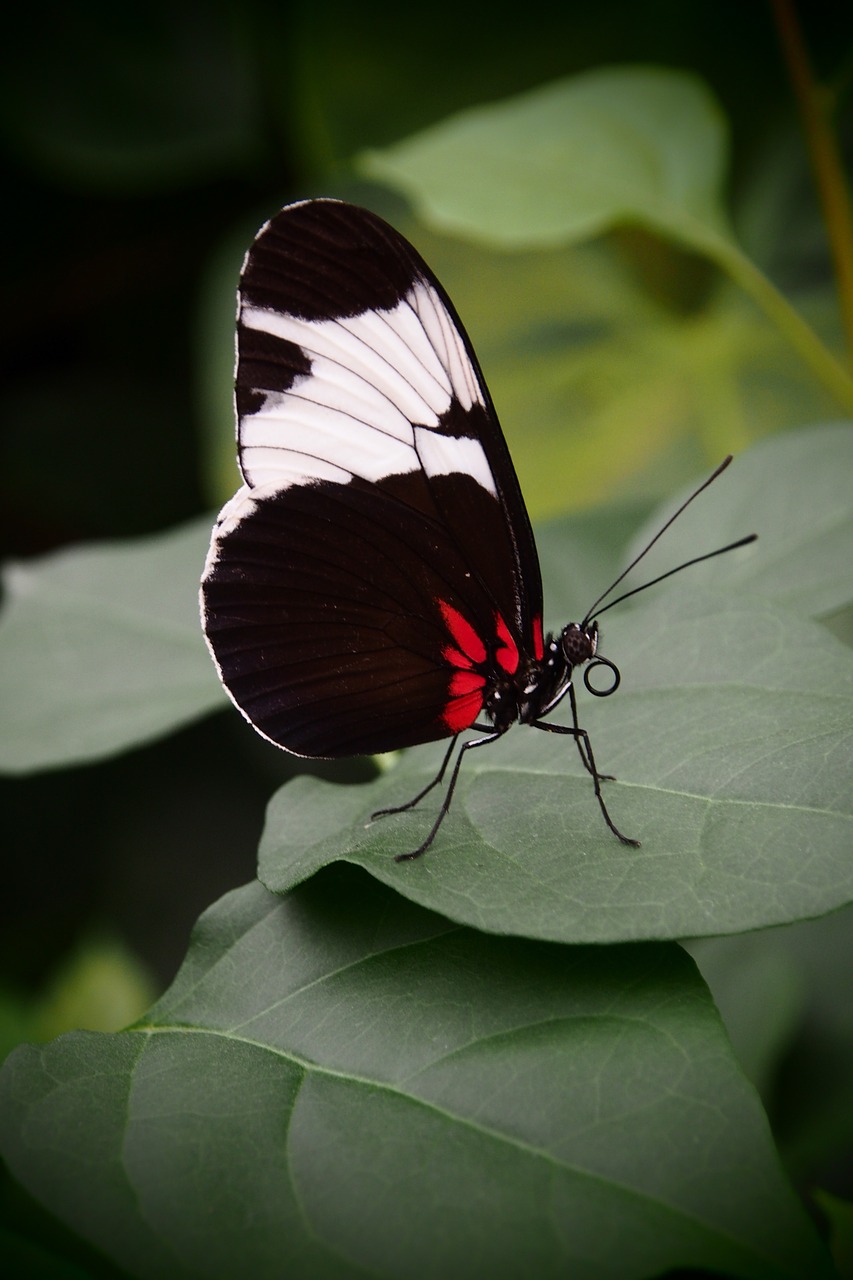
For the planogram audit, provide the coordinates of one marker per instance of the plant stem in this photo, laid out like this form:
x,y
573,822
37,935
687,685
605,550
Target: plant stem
x,y
725,251
731,259
828,170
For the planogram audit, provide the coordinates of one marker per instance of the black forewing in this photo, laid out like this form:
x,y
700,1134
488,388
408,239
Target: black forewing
x,y
363,513
325,259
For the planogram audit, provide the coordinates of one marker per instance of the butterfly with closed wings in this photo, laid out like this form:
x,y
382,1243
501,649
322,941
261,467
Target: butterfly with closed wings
x,y
375,584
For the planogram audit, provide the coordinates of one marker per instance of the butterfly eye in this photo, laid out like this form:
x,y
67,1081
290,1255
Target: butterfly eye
x,y
578,643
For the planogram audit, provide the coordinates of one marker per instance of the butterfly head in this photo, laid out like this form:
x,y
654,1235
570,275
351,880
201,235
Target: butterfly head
x,y
579,643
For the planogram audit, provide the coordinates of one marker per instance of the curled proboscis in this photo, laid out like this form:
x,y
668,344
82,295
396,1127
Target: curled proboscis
x,y
614,671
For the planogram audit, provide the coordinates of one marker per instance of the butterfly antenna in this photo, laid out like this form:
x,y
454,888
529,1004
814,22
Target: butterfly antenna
x,y
709,555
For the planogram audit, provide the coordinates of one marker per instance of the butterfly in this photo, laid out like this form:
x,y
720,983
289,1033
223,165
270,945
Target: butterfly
x,y
374,584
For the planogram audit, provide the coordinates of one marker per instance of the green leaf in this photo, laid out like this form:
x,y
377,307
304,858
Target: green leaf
x,y
341,1084
627,145
213,348
761,994
733,770
840,1215
794,491
732,752
100,985
102,649
569,160
785,998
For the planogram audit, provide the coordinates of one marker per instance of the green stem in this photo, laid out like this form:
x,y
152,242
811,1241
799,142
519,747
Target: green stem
x,y
787,319
826,162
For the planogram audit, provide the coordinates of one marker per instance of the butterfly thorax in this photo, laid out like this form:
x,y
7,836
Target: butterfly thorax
x,y
538,684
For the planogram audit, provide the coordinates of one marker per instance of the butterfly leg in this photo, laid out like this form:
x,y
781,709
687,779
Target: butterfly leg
x,y
410,804
448,795
584,745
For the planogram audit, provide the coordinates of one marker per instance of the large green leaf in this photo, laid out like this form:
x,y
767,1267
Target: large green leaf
x,y
733,759
341,1084
571,159
733,753
101,649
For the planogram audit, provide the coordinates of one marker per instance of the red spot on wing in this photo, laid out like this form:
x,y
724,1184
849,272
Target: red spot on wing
x,y
462,711
464,682
466,686
455,657
507,650
463,633
538,640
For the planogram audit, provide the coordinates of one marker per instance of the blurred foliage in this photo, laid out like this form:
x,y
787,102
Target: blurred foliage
x,y
142,146
101,986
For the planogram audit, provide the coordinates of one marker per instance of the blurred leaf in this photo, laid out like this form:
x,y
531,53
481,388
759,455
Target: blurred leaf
x,y
535,1110
815,1093
840,1214
580,554
784,995
637,145
840,624
214,361
795,492
360,73
15,1021
571,159
761,994
102,648
101,987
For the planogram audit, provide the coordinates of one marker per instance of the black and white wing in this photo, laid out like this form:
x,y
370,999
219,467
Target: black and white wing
x,y
378,560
